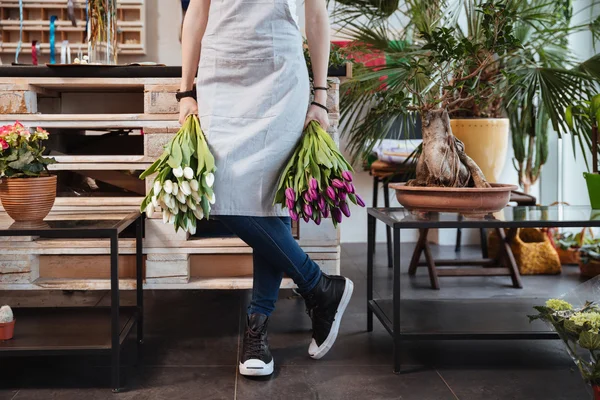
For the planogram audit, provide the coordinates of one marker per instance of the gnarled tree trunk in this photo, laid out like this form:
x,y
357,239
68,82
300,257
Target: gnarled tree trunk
x,y
443,161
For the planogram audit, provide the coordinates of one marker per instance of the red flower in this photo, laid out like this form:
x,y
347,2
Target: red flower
x,y
3,144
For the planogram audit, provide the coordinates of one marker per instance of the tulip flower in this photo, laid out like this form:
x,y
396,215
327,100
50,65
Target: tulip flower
x,y
185,188
313,184
349,187
157,188
175,189
336,214
181,197
190,203
344,208
318,220
155,203
307,197
305,218
171,219
198,213
183,207
321,202
330,193
290,194
313,194
289,203
168,186
325,212
149,210
188,173
294,215
360,201
211,199
166,216
308,210
347,175
196,197
194,185
167,198
178,172
209,179
174,210
337,183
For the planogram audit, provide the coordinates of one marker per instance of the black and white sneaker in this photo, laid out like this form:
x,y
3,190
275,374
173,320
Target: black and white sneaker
x,y
256,356
325,305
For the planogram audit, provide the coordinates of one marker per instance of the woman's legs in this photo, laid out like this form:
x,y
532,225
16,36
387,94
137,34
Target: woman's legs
x,y
275,252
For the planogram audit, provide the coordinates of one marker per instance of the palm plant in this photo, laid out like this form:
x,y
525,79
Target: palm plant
x,y
531,77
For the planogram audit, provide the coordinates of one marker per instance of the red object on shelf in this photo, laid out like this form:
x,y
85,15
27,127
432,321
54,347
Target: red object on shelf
x,y
7,330
34,58
371,59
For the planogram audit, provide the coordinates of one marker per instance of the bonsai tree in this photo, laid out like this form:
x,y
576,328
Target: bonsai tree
x,y
517,64
433,76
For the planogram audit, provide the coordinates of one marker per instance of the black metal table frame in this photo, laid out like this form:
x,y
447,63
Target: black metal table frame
x,y
113,235
392,325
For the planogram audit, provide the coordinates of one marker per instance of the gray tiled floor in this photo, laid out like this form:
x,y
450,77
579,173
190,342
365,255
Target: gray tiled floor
x,y
192,344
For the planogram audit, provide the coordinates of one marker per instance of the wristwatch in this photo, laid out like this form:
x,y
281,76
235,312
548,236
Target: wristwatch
x,y
190,93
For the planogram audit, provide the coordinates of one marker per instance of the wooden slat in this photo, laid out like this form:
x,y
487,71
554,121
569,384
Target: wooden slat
x,y
472,272
90,166
99,159
84,266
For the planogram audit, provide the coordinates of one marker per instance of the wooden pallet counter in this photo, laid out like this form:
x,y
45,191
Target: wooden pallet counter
x,y
105,130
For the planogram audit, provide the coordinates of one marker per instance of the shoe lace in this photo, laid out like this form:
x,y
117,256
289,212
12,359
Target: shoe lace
x,y
254,344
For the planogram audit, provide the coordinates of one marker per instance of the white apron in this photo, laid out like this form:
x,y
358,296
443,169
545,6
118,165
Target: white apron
x,y
253,94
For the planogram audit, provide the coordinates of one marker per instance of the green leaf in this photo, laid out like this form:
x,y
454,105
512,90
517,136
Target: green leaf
x,y
176,156
595,104
569,116
589,340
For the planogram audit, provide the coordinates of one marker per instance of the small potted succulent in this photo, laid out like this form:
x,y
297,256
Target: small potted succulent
x,y
567,244
27,189
589,260
7,323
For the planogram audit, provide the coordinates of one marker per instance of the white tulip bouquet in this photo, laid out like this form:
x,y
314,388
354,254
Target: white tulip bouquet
x,y
185,177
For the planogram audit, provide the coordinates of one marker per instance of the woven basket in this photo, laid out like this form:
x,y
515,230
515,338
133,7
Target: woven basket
x,y
533,251
571,255
589,269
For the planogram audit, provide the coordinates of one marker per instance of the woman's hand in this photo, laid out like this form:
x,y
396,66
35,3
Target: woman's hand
x,y
316,113
187,106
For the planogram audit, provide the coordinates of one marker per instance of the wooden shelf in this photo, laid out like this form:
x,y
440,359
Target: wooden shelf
x,y
104,121
131,16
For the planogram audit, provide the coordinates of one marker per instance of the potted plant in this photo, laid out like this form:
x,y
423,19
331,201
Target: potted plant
x,y
338,61
27,189
579,329
7,323
589,259
583,117
530,80
567,244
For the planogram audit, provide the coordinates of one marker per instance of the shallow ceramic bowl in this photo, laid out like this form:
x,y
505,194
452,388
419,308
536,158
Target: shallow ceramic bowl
x,y
472,202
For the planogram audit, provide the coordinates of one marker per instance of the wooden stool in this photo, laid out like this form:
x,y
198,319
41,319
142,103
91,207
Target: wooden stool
x,y
503,265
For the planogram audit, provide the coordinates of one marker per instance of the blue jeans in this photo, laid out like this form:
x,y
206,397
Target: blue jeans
x,y
275,252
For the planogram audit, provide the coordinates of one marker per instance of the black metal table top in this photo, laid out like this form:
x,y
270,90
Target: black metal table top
x,y
76,226
517,217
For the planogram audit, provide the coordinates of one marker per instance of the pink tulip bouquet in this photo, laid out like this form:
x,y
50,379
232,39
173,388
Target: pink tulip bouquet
x,y
317,181
184,179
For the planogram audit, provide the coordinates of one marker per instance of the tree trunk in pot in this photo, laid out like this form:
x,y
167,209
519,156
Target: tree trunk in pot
x,y
443,161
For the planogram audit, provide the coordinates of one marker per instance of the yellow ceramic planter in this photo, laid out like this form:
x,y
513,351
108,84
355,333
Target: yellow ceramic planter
x,y
486,142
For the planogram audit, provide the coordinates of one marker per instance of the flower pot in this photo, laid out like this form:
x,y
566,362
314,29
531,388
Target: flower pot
x,y
590,268
486,142
596,392
7,330
28,199
569,256
593,185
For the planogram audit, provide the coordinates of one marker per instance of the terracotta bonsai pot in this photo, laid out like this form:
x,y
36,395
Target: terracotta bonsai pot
x,y
28,199
7,330
472,202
